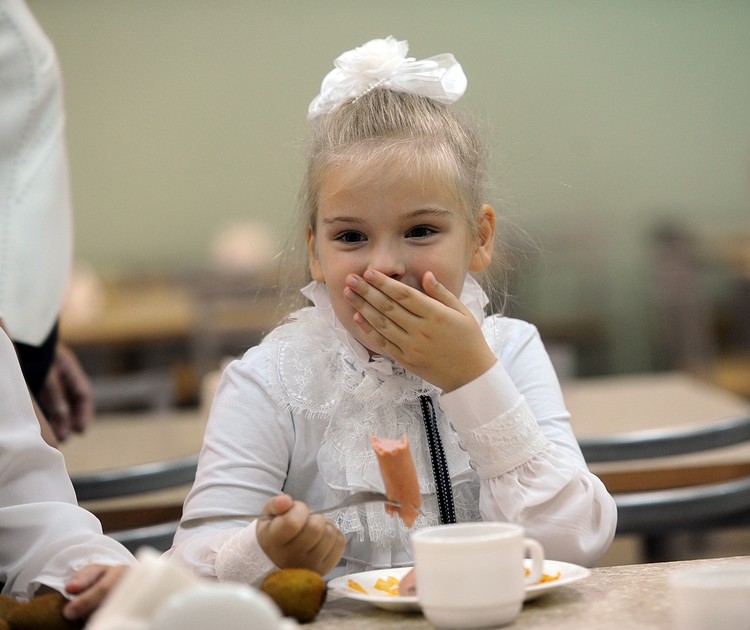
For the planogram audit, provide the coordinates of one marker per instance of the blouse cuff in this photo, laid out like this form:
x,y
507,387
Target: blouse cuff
x,y
494,423
241,559
506,443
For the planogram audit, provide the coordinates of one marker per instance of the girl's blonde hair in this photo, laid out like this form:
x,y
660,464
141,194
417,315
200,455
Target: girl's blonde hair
x,y
384,128
384,133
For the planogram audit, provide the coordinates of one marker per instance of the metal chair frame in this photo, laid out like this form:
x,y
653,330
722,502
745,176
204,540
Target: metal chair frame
x,y
157,536
141,479
650,444
655,514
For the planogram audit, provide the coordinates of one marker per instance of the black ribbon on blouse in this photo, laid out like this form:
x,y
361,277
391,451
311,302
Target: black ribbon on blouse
x,y
439,463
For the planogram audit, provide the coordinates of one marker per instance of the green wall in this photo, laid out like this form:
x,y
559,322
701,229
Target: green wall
x,y
605,116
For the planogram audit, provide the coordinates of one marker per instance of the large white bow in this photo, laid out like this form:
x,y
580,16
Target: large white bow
x,y
383,62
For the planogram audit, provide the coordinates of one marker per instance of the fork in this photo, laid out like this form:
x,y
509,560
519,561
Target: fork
x,y
356,498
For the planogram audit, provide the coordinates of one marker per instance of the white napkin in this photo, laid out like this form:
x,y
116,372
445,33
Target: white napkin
x,y
159,594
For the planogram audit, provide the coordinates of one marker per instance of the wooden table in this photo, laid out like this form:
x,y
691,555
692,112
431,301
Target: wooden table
x,y
148,310
123,440
131,315
610,406
621,597
178,327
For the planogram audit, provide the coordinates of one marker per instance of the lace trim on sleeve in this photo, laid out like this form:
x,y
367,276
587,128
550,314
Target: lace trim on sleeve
x,y
241,559
507,442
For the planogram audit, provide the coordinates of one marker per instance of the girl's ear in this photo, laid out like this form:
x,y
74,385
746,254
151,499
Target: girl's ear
x,y
312,255
485,241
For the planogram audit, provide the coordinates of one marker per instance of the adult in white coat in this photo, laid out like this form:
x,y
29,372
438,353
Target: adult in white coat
x,y
46,540
36,218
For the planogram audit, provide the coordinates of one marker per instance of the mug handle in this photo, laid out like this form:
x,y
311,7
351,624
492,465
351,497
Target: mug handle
x,y
536,553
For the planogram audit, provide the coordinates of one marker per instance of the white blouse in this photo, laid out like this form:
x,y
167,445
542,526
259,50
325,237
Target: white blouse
x,y
295,414
35,199
44,535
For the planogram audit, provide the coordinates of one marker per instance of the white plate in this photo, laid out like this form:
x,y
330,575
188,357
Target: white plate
x,y
569,573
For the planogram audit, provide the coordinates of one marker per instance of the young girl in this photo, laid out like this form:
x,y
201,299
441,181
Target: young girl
x,y
397,343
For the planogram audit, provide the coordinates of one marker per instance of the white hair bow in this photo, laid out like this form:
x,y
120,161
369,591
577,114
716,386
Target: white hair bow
x,y
383,62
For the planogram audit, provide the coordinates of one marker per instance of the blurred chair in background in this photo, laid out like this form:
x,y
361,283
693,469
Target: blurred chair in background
x,y
683,311
694,504
237,299
149,338
149,389
560,283
232,312
701,311
154,527
109,323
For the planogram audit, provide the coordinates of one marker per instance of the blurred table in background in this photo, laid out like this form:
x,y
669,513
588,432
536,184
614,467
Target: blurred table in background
x,y
132,313
608,406
129,439
138,336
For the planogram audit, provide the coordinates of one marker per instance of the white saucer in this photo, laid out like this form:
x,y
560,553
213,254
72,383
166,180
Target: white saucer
x,y
569,573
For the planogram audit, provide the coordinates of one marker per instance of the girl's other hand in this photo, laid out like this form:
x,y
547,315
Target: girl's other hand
x,y
431,334
91,585
296,538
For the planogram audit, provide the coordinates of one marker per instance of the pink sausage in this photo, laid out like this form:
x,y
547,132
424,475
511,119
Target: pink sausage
x,y
408,585
400,477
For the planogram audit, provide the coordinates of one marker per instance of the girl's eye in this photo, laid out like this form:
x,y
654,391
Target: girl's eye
x,y
420,231
350,237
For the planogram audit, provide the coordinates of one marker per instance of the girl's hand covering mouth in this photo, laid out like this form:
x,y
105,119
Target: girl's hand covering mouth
x,y
429,333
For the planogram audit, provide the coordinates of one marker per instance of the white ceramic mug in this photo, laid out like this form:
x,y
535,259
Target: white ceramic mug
x,y
471,575
706,598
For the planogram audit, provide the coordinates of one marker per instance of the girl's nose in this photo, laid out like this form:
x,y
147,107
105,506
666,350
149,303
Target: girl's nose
x,y
387,261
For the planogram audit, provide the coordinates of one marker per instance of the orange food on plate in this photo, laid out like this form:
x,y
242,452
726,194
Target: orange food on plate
x,y
355,586
400,477
546,577
388,586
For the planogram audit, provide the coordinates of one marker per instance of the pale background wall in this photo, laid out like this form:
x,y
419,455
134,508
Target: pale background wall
x,y
186,114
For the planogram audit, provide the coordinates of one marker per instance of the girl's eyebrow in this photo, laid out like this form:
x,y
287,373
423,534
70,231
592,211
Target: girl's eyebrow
x,y
438,212
341,219
413,214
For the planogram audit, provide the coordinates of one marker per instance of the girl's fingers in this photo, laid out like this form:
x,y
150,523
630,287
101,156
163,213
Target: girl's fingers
x,y
279,505
91,585
384,321
392,293
84,578
438,292
285,528
332,549
391,297
324,546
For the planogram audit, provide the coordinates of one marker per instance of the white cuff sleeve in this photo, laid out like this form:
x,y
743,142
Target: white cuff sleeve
x,y
494,423
241,559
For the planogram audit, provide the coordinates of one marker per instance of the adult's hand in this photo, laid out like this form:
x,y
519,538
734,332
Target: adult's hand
x,y
67,397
